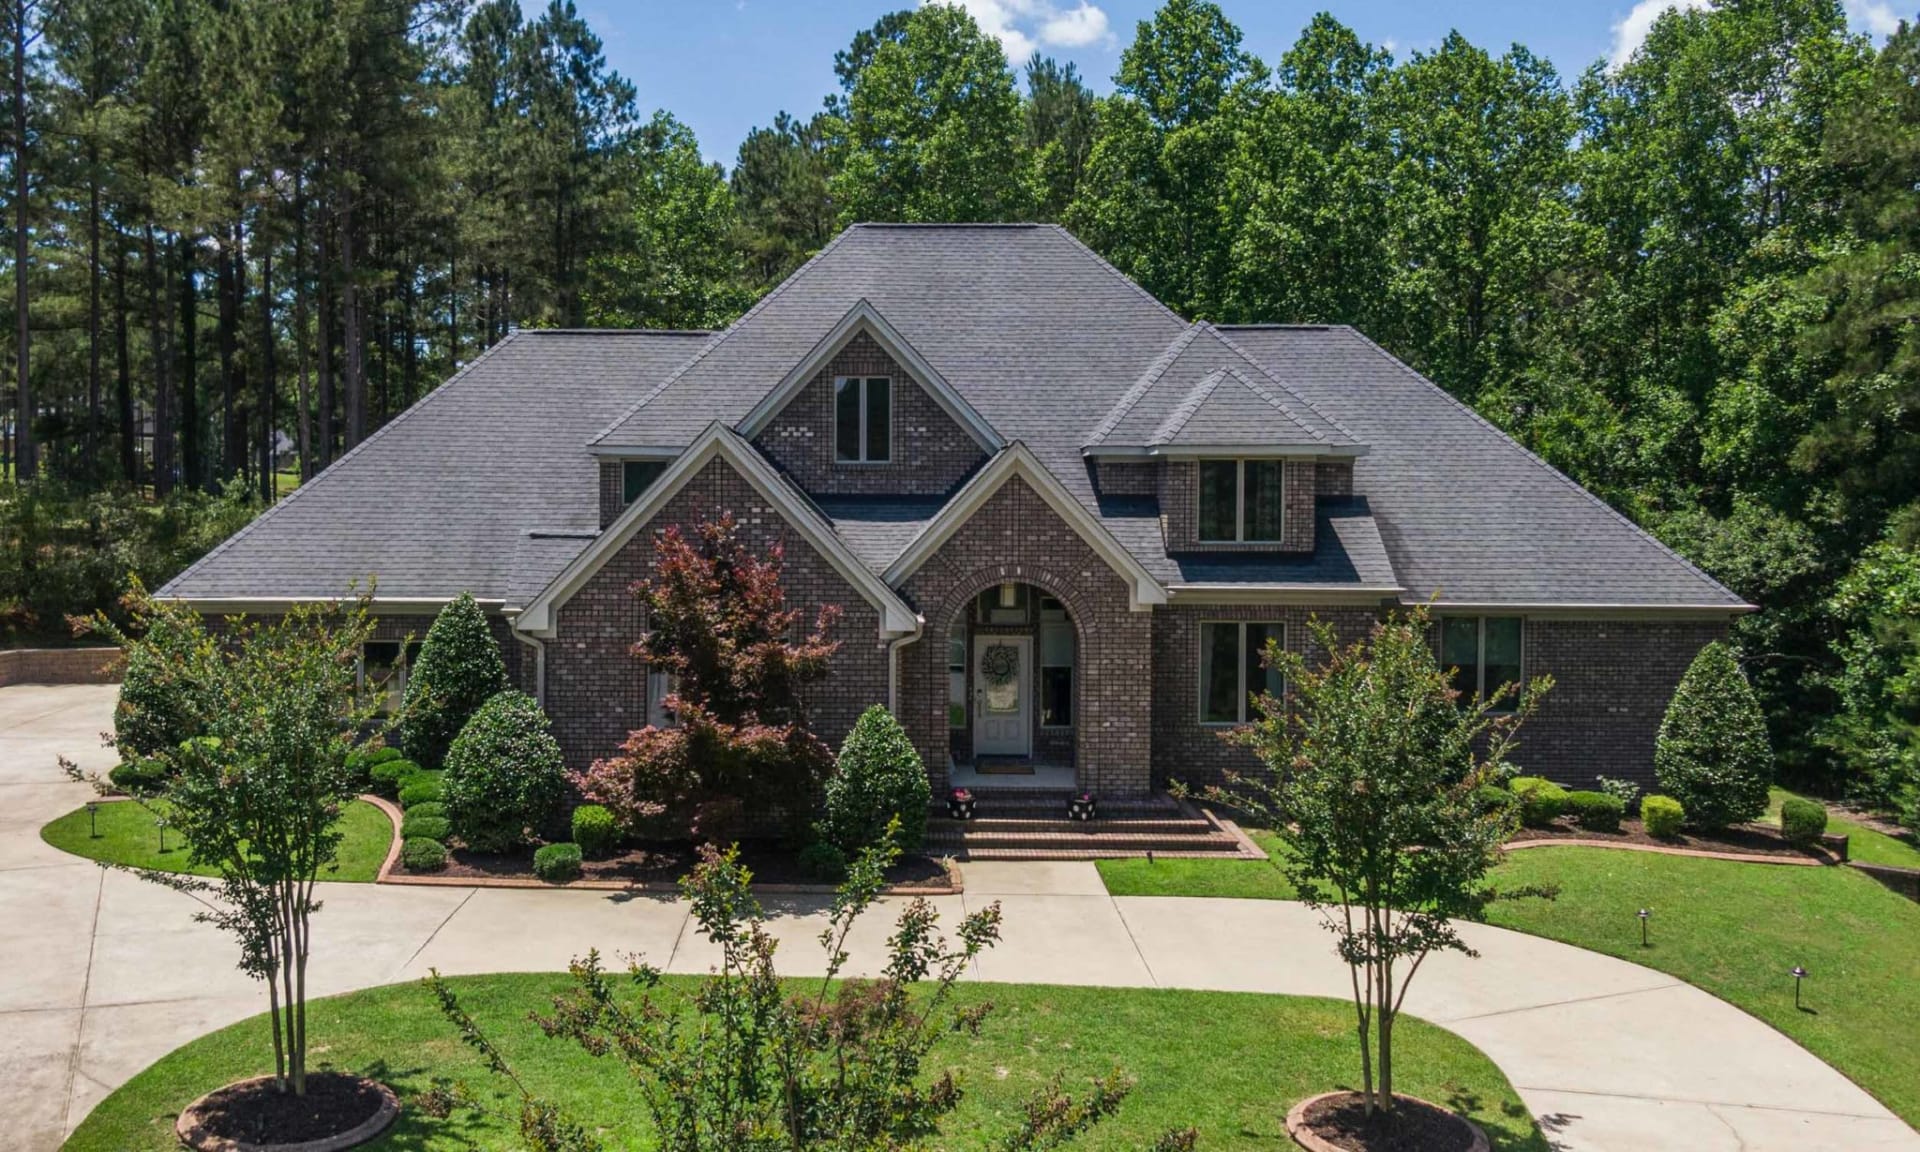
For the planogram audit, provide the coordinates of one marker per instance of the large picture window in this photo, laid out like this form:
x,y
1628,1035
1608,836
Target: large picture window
x,y
1484,652
863,419
1231,670
1241,501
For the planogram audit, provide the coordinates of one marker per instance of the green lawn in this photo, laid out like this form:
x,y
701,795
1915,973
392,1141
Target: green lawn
x,y
1863,843
1227,1063
128,836
1242,879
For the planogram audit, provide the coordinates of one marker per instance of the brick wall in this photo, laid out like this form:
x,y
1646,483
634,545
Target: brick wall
x,y
1180,509
61,666
1127,479
1184,749
1334,477
613,491
596,690
931,453
1016,536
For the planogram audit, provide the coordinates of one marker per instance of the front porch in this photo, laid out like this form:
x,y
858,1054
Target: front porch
x,y
1006,774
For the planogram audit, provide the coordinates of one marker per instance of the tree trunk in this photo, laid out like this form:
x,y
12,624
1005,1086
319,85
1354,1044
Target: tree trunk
x,y
27,455
325,400
93,313
231,439
123,390
303,426
269,384
351,352
163,462
192,465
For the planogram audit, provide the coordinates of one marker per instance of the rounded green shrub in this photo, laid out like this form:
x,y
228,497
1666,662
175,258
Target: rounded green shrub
x,y
1662,816
458,671
142,776
1711,753
1596,811
595,831
505,777
557,863
386,776
1802,821
433,808
878,777
162,699
421,788
423,855
1492,798
823,861
1541,800
416,827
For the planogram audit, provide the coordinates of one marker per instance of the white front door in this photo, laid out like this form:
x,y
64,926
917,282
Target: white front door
x,y
1002,695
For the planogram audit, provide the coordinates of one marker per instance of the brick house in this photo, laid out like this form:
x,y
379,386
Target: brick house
x,y
1060,519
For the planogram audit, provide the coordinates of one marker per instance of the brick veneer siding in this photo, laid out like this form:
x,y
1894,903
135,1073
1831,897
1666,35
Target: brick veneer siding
x,y
1334,478
1118,479
596,690
1180,509
1186,750
1016,536
613,491
931,453
1612,682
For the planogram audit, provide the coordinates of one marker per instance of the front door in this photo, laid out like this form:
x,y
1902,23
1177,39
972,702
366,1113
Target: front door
x,y
1002,696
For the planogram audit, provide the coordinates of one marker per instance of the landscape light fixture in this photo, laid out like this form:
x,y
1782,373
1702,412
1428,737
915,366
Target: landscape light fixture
x,y
93,820
160,822
1798,975
1646,914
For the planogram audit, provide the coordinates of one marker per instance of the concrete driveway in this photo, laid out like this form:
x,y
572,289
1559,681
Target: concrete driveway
x,y
101,974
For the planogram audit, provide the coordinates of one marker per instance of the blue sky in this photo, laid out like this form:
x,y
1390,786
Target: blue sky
x,y
724,66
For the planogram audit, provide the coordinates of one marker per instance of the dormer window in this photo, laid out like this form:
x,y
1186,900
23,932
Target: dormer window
x,y
636,476
1240,501
862,419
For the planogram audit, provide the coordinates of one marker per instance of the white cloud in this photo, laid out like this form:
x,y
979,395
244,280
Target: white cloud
x,y
1873,16
1632,32
1023,25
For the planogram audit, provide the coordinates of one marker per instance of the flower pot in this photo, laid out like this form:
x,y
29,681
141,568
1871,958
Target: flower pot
x,y
960,805
1081,808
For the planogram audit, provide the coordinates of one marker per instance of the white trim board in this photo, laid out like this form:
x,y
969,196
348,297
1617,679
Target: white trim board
x,y
864,317
1018,460
717,442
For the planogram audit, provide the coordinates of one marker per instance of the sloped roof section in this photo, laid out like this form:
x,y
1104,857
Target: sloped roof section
x,y
441,499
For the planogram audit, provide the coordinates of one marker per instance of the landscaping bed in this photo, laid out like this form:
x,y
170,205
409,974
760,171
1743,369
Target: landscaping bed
x,y
335,1109
663,864
1740,840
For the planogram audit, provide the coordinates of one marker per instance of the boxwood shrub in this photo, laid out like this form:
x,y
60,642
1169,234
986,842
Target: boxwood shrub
x,y
1596,811
1493,798
417,827
422,787
1802,821
385,777
557,863
595,831
1662,816
822,861
1541,800
141,776
423,855
505,778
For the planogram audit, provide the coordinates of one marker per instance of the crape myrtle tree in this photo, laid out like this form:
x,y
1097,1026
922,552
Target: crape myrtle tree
x,y
1372,765
719,624
257,794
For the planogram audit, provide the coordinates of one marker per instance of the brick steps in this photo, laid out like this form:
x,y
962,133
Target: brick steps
x,y
1024,825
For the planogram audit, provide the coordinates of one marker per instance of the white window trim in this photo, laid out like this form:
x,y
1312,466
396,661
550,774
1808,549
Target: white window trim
x,y
1240,671
1239,501
1480,653
861,460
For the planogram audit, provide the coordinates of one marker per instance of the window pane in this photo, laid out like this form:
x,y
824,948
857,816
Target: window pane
x,y
1259,677
846,420
957,654
381,672
636,476
879,419
1263,499
1056,697
957,699
1460,650
1056,645
1219,673
1219,484
1503,652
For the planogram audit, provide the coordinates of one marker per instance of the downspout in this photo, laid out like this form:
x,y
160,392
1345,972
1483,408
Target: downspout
x,y
539,668
893,663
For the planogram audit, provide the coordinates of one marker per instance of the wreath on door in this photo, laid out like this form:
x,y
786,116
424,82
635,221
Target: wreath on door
x,y
1000,663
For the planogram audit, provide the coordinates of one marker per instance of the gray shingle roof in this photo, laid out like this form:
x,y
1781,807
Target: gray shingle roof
x,y
488,484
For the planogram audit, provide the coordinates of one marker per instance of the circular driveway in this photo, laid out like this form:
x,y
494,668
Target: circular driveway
x,y
101,974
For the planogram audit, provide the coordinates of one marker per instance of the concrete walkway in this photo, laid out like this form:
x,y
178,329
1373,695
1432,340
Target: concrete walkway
x,y
101,974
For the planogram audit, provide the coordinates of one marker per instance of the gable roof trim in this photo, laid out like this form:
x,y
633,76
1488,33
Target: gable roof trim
x,y
1018,460
718,442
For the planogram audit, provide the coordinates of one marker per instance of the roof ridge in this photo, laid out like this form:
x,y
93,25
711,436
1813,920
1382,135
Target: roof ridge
x,y
1181,413
1144,384
1562,477
613,331
279,505
983,224
1270,374
1129,281
719,338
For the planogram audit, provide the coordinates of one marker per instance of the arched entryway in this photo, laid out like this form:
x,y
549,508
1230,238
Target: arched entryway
x,y
1013,685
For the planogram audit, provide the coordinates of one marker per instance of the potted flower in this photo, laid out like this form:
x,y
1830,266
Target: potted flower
x,y
960,804
1082,807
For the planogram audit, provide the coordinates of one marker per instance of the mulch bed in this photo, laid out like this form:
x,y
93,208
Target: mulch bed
x,y
665,863
1413,1126
1742,839
254,1113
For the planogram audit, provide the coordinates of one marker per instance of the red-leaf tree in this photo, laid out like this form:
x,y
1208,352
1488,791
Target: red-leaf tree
x,y
718,622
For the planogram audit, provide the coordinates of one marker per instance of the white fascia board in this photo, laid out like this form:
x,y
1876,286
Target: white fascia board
x,y
1018,460
635,451
718,441
863,316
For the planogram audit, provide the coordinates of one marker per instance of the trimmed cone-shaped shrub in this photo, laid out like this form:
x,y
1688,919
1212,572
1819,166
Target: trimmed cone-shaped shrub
x,y
1802,821
879,776
459,670
505,779
1662,816
1712,753
595,830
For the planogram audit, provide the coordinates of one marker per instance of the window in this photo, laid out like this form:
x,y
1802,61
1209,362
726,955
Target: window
x,y
1483,652
957,682
1241,500
1056,665
863,420
1231,670
659,686
383,671
636,476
